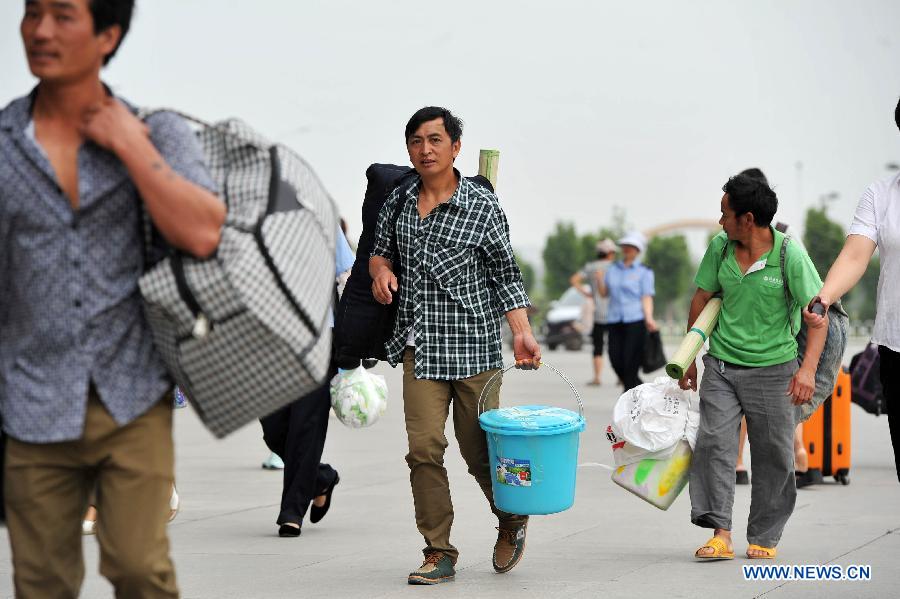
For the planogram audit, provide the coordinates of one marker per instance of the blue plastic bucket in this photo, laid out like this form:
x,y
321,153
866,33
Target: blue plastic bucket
x,y
533,452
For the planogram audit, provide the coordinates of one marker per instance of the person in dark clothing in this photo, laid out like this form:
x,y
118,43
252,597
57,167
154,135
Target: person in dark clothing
x,y
297,433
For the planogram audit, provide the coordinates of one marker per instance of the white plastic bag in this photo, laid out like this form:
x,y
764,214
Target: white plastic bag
x,y
358,397
653,417
625,453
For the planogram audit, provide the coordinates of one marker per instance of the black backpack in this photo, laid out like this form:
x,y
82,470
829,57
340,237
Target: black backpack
x,y
362,325
865,380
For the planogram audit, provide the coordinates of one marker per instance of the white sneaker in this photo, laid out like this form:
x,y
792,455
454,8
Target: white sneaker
x,y
273,462
174,504
88,527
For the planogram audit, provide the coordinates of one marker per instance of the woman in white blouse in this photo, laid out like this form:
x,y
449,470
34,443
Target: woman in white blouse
x,y
876,224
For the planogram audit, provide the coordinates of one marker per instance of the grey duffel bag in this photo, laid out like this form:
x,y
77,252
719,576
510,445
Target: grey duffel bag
x,y
246,331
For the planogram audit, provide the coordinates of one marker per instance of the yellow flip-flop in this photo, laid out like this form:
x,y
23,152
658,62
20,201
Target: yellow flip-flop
x,y
768,552
720,551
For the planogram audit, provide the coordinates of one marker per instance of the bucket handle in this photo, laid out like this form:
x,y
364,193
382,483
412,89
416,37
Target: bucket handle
x,y
484,392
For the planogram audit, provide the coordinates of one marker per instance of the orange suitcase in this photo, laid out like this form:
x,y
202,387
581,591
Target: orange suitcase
x,y
827,435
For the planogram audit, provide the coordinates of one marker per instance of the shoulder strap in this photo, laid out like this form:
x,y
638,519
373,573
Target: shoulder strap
x,y
784,282
400,188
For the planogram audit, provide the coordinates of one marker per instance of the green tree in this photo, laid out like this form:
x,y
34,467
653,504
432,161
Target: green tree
x,y
562,256
823,239
528,274
619,224
670,260
588,247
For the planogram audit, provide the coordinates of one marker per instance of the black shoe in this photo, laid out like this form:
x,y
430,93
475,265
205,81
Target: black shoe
x,y
741,477
316,513
803,479
288,531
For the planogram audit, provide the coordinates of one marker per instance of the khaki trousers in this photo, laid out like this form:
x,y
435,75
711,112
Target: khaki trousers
x,y
426,405
47,489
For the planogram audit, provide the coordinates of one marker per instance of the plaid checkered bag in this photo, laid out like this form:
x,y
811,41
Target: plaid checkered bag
x,y
245,332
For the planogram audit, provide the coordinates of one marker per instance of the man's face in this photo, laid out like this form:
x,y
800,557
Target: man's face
x,y
430,149
59,40
734,225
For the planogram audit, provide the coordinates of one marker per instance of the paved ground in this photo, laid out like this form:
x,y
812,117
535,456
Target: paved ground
x,y
609,544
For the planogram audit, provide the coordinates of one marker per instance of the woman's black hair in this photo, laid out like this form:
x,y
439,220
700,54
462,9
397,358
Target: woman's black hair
x,y
897,114
755,173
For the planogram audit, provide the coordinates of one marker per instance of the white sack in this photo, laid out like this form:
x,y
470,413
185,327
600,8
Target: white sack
x,y
654,416
358,397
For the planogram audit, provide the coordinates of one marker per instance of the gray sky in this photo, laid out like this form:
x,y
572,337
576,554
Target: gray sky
x,y
650,105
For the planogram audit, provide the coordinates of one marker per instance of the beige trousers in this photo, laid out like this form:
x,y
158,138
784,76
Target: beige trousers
x,y
426,405
47,488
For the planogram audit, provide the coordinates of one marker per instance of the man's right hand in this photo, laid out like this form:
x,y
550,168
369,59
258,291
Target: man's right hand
x,y
384,286
689,380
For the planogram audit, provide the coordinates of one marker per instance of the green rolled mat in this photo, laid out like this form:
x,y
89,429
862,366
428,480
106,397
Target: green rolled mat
x,y
694,340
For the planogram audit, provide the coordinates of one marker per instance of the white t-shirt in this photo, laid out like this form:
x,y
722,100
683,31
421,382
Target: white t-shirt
x,y
878,218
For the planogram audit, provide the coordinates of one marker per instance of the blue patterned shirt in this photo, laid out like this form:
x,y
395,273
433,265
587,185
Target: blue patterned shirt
x,y
70,309
458,277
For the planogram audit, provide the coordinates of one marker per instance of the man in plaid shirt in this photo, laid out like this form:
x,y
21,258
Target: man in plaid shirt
x,y
458,276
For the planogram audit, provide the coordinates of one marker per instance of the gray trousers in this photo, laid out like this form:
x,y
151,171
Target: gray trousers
x,y
728,391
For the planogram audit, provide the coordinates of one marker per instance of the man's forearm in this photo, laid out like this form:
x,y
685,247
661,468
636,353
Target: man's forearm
x,y
815,344
698,302
518,321
188,216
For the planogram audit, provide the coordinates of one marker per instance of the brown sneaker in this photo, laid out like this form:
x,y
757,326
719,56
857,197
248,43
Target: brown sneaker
x,y
436,568
510,546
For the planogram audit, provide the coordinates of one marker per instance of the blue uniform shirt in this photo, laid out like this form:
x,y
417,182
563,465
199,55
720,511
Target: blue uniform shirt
x,y
627,285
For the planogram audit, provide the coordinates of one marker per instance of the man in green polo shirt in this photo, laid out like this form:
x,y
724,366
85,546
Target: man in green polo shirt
x,y
752,369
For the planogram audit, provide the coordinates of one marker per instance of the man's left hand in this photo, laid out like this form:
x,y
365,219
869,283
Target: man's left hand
x,y
802,386
109,124
526,351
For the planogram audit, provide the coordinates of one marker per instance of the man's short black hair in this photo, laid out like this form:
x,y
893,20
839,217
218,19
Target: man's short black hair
x,y
452,123
897,114
748,194
107,13
755,173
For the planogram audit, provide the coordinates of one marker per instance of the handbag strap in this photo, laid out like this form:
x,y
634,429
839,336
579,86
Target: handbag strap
x,y
400,188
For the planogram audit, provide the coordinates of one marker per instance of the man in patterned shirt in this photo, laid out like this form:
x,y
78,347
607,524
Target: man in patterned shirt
x,y
458,276
85,397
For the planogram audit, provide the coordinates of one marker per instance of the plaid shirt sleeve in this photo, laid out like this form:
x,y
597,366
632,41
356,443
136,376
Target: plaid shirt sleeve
x,y
384,231
503,271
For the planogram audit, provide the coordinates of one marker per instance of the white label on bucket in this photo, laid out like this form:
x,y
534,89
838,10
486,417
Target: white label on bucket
x,y
516,473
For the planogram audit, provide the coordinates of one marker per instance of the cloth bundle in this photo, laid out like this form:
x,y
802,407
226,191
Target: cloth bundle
x,y
650,420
